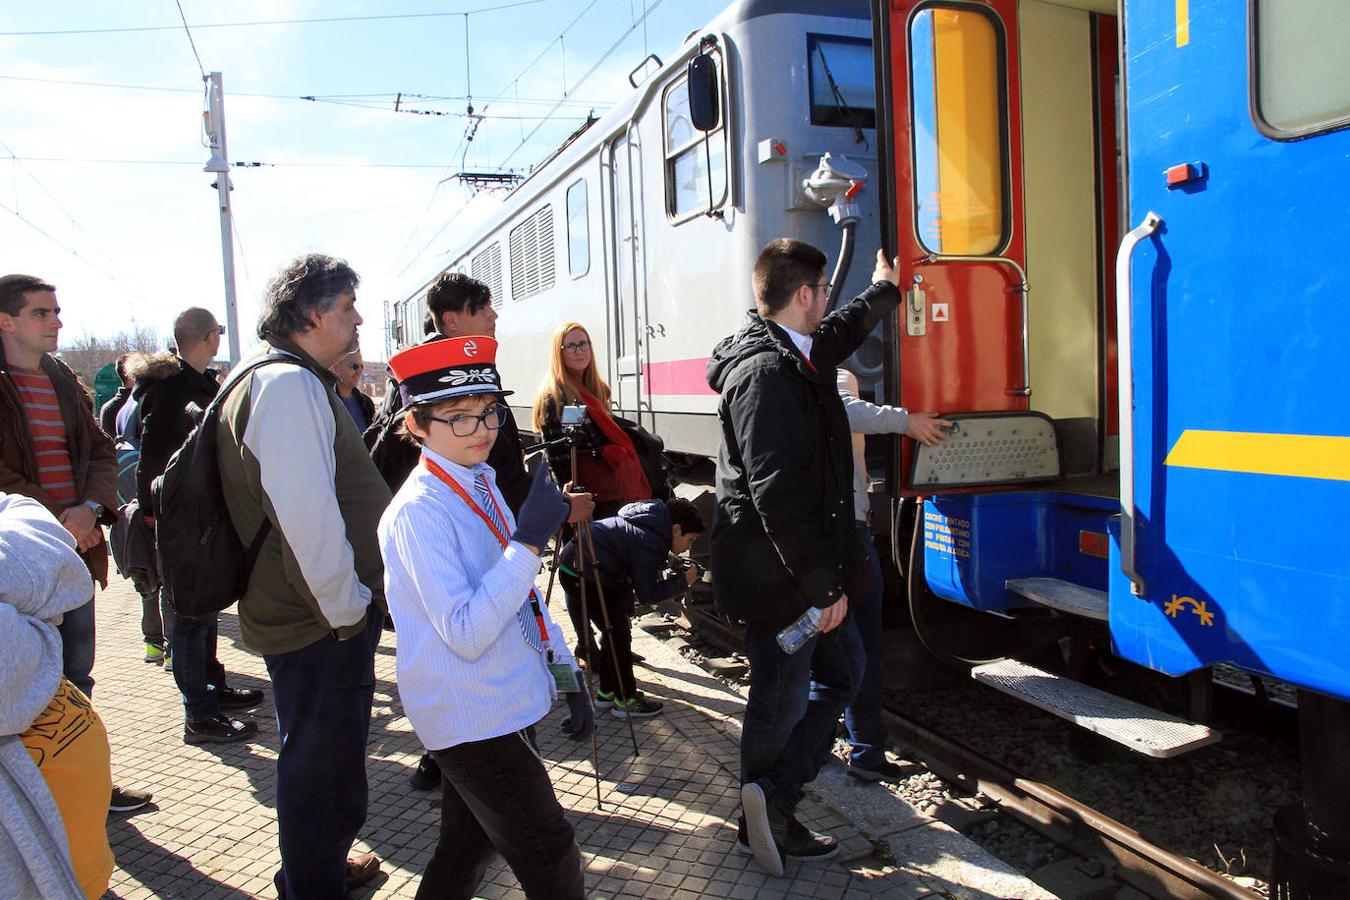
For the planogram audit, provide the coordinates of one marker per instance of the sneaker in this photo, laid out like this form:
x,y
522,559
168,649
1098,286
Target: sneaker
x,y
126,800
604,699
799,843
638,707
236,698
154,653
427,775
168,661
882,771
759,836
219,729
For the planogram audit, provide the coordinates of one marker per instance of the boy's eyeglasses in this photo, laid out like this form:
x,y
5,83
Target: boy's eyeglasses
x,y
577,346
464,425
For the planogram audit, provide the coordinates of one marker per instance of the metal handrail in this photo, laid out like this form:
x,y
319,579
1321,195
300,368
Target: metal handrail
x,y
1125,378
1024,389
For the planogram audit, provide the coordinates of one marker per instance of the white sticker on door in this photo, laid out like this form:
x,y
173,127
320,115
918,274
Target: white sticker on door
x,y
939,312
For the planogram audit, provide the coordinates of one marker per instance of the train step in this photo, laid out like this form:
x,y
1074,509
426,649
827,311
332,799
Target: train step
x,y
1063,596
1134,725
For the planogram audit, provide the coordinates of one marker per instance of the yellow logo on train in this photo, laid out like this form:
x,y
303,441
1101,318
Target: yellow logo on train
x,y
1174,606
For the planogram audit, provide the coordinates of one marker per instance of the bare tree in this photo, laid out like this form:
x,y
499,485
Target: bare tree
x,y
89,353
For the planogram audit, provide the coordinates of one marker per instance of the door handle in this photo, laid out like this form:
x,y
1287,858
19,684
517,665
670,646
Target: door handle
x,y
1024,389
1125,379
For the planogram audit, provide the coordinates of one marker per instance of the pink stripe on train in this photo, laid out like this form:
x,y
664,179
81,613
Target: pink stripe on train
x,y
679,376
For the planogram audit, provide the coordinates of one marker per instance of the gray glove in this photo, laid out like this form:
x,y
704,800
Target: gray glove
x,y
579,725
543,512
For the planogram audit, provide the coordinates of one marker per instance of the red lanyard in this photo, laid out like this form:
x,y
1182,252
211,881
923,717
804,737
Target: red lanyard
x,y
434,468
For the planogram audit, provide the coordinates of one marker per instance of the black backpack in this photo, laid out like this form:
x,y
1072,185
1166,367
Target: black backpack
x,y
204,565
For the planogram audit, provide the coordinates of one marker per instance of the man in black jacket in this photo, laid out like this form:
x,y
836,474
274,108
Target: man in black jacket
x,y
457,305
172,391
783,539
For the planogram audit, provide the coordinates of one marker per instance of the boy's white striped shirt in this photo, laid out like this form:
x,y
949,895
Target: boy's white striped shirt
x,y
465,671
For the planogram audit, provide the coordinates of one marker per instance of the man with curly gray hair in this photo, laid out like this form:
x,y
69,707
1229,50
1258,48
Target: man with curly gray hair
x,y
293,462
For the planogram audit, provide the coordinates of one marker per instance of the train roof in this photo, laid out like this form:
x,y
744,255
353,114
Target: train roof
x,y
579,145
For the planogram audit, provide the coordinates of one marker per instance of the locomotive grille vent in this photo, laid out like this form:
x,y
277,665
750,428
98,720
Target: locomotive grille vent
x,y
487,268
990,449
531,247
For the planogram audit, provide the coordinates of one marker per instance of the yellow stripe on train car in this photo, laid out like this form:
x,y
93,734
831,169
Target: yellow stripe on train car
x,y
1295,455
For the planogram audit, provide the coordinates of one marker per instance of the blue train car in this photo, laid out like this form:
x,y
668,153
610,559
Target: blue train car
x,y
1121,224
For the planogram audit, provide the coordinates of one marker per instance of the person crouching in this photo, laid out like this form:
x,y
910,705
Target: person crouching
x,y
479,659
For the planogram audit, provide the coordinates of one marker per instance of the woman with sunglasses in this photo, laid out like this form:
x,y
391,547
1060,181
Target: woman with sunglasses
x,y
607,462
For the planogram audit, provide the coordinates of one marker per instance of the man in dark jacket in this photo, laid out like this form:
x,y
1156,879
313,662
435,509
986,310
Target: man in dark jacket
x,y
457,305
51,449
172,391
348,371
783,539
631,550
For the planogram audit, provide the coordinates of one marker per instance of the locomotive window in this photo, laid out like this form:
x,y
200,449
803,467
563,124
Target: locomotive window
x,y
960,152
1301,57
578,234
842,91
691,159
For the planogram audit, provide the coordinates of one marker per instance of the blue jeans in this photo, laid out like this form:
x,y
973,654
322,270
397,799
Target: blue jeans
x,y
794,707
77,647
196,670
322,695
866,730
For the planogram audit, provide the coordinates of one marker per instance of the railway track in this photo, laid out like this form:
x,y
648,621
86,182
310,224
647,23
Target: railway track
x,y
1127,857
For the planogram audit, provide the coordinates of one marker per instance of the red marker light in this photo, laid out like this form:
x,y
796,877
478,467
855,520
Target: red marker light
x,y
780,148
1184,173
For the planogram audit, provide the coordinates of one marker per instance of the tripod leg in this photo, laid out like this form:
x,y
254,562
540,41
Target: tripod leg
x,y
593,566
595,745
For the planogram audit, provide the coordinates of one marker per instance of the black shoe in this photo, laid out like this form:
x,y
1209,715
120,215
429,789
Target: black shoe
x,y
126,800
800,842
761,837
235,698
219,729
882,771
427,775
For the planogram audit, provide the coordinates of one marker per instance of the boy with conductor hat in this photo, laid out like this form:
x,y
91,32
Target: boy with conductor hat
x,y
480,661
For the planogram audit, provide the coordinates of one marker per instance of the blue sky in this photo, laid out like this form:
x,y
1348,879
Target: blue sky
x,y
360,181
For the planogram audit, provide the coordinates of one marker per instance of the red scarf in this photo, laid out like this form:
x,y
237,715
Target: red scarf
x,y
619,476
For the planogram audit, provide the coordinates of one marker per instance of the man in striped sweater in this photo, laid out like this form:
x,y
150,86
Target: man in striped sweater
x,y
51,449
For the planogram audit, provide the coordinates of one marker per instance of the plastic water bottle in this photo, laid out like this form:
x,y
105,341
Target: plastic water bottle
x,y
799,632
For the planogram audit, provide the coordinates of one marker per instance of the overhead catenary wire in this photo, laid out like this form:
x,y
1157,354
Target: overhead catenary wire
x,y
589,72
267,22
19,161
236,164
71,250
191,42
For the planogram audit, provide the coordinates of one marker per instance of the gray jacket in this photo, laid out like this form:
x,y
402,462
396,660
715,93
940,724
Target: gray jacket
x,y
41,577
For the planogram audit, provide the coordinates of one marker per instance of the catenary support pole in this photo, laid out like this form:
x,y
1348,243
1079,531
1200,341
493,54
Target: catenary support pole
x,y
219,165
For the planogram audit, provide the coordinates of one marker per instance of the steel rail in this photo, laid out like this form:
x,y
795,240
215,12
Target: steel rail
x,y
1134,859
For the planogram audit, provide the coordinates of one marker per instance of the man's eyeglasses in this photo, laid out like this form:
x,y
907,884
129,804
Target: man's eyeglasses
x,y
824,286
464,425
577,346
220,330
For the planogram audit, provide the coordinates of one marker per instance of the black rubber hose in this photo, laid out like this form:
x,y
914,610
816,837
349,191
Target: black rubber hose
x,y
841,267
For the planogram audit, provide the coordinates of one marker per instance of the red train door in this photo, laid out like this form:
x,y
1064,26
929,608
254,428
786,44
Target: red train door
x,y
955,170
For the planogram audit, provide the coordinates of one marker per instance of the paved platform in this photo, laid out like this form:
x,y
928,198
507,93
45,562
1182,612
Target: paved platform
x,y
665,826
